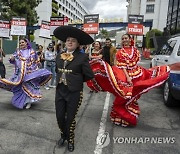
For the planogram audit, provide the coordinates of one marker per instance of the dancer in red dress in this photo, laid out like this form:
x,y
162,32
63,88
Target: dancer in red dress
x,y
96,53
127,81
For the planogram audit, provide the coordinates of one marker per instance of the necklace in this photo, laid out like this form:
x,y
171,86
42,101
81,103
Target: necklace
x,y
130,53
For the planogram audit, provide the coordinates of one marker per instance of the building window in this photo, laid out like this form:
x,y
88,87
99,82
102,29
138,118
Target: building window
x,y
150,8
168,48
149,20
150,0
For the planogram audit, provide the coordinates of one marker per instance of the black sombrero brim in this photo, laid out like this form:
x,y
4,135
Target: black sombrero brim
x,y
63,32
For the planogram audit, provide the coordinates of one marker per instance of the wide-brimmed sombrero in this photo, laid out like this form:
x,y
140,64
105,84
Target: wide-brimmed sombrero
x,y
63,32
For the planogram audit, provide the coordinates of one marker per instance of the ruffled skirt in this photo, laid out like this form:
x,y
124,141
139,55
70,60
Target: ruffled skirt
x,y
27,88
125,109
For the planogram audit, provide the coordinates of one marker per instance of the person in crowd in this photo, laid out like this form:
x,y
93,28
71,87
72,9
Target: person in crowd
x,y
88,49
72,68
2,66
27,78
40,54
127,81
109,52
50,56
82,48
96,52
58,48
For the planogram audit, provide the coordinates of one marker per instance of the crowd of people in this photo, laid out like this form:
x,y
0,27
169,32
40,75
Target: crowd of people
x,y
103,68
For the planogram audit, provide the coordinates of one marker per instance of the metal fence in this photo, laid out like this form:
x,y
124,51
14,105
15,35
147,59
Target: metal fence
x,y
10,46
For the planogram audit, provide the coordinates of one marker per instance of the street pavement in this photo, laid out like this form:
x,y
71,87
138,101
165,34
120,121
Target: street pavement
x,y
35,131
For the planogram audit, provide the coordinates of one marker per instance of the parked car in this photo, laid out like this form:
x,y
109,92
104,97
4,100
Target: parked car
x,y
169,54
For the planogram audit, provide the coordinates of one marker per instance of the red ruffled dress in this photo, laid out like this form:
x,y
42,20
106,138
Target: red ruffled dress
x,y
96,53
125,109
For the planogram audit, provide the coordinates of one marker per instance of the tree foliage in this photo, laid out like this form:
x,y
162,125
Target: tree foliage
x,y
31,37
149,36
104,33
20,8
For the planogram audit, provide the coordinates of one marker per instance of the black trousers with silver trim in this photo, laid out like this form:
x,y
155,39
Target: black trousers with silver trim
x,y
67,104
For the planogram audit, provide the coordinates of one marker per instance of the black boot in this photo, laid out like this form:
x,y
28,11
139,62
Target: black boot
x,y
61,141
70,147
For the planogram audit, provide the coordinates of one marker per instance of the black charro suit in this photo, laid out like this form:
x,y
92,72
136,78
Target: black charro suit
x,y
81,71
69,97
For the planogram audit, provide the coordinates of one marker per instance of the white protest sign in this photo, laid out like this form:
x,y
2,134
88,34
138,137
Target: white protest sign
x,y
4,28
66,20
18,26
45,29
56,22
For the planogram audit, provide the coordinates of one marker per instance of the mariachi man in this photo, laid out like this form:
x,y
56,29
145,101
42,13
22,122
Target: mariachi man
x,y
72,68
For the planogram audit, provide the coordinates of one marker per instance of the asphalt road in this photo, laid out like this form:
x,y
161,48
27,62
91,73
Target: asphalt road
x,y
35,131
